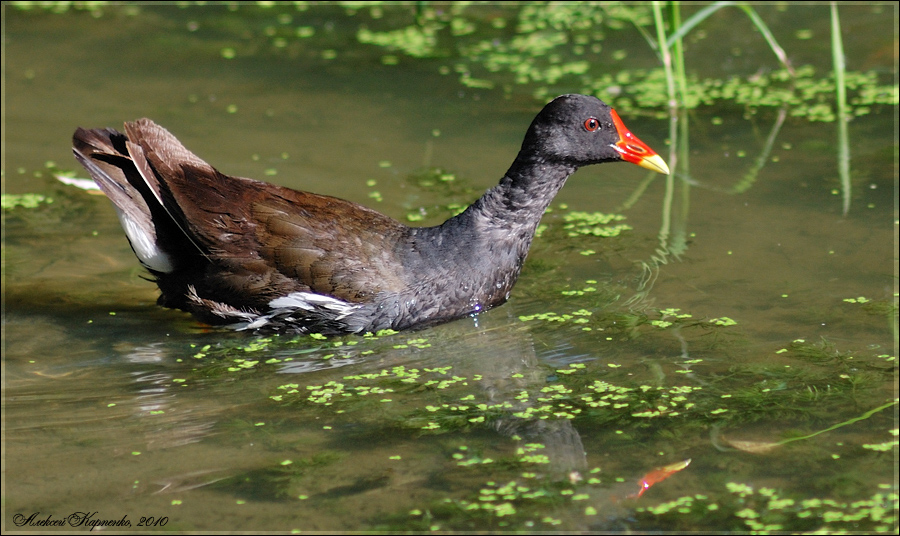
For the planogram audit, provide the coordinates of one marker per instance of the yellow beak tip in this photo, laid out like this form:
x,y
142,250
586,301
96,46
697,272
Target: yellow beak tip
x,y
655,163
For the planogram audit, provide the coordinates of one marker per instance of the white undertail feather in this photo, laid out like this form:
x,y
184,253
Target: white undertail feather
x,y
144,245
134,215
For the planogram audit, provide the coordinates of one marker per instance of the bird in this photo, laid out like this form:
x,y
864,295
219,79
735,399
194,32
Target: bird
x,y
251,255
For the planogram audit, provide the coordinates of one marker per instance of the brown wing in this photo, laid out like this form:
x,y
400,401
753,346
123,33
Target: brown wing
x,y
266,240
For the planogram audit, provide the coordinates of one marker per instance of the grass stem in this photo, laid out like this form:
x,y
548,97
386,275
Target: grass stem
x,y
837,56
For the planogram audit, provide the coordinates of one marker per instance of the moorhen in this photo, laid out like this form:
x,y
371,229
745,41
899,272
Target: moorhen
x,y
243,252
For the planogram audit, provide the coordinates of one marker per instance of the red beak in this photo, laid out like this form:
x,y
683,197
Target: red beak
x,y
634,150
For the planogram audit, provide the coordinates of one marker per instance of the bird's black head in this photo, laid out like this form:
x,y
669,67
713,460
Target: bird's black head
x,y
579,130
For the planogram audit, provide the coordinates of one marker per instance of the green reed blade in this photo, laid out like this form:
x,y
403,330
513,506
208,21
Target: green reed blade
x,y
694,20
837,55
767,34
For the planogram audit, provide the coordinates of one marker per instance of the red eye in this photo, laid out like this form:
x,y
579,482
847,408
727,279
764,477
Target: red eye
x,y
591,124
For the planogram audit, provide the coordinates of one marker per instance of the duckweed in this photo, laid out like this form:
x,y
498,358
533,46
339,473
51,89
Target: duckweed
x,y
11,201
594,224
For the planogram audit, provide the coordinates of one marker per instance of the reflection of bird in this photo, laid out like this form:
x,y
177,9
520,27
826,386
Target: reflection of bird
x,y
235,250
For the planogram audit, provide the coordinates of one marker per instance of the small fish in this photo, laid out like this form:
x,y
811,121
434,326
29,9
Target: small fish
x,y
659,474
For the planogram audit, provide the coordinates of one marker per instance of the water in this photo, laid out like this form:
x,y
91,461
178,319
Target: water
x,y
573,391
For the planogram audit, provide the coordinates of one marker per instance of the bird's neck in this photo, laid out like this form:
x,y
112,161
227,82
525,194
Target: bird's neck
x,y
501,224
515,206
480,252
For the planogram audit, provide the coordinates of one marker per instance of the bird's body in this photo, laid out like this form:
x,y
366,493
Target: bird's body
x,y
239,251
